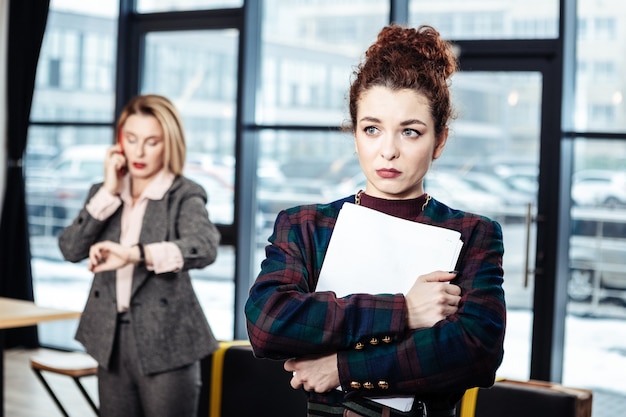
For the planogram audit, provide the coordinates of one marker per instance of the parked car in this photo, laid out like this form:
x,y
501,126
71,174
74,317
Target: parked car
x,y
493,184
597,252
321,169
451,189
447,187
221,194
38,157
55,194
276,194
523,180
598,187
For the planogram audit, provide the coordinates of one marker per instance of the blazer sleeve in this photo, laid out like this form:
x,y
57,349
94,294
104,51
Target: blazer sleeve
x,y
286,318
76,239
462,351
195,235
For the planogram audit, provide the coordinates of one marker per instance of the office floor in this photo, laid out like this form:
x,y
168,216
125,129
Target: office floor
x,y
25,396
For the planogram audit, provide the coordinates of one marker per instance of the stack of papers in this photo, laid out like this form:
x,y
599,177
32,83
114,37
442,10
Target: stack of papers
x,y
374,253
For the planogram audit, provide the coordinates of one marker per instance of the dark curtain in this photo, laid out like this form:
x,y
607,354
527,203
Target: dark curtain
x,y
27,23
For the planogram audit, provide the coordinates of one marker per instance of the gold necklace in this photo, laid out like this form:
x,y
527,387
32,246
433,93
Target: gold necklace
x,y
426,202
357,199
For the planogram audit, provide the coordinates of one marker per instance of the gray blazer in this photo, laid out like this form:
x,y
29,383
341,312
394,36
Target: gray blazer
x,y
167,319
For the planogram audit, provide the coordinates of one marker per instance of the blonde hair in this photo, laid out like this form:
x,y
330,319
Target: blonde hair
x,y
166,113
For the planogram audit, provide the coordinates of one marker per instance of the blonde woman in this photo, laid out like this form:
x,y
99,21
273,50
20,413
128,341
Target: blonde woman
x,y
142,229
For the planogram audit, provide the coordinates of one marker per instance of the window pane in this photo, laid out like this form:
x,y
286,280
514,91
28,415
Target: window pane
x,y
197,70
215,288
600,88
300,168
490,167
76,70
308,51
151,6
596,321
61,164
501,19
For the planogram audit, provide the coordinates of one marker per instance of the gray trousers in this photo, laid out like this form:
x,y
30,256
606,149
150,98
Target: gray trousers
x,y
124,390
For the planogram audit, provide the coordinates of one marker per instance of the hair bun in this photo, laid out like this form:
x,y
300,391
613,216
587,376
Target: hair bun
x,y
422,47
415,59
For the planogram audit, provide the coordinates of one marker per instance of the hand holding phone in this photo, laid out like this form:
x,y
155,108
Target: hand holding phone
x,y
120,141
115,166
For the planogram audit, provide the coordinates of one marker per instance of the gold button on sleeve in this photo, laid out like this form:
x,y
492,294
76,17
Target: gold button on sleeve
x,y
359,346
368,385
383,384
373,341
387,339
355,385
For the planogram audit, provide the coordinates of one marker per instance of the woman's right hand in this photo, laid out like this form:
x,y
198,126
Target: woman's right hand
x,y
114,169
110,256
431,299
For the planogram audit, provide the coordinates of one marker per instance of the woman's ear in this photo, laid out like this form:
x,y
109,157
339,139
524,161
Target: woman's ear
x,y
441,144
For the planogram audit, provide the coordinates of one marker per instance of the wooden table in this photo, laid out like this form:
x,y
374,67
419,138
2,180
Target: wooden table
x,y
20,313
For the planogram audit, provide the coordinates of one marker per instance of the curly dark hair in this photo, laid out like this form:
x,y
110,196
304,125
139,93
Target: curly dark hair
x,y
407,58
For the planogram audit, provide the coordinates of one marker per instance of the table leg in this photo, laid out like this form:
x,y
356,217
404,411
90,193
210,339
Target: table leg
x,y
2,331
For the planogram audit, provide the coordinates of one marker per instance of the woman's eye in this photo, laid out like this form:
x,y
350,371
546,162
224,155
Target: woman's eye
x,y
411,133
370,130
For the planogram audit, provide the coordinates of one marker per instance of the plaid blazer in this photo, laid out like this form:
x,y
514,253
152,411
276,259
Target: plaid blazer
x,y
287,318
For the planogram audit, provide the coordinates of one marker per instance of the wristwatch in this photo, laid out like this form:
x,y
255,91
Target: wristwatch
x,y
142,254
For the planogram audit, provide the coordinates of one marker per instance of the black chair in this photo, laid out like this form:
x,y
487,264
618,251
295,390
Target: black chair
x,y
512,398
236,384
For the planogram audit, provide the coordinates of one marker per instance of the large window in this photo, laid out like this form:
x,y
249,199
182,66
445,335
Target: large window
x,y
151,6
597,261
197,69
71,126
307,51
504,19
594,351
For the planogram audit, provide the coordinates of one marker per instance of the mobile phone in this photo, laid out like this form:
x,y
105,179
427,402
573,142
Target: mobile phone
x,y
120,140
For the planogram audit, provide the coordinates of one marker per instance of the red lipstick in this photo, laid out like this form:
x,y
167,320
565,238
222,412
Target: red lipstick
x,y
388,173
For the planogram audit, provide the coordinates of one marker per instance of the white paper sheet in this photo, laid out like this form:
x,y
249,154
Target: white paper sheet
x,y
404,403
375,253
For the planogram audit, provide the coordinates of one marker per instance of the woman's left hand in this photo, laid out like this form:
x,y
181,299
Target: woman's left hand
x,y
316,374
108,256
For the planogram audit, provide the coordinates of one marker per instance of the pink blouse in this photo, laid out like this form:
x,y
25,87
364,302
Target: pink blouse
x,y
166,256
